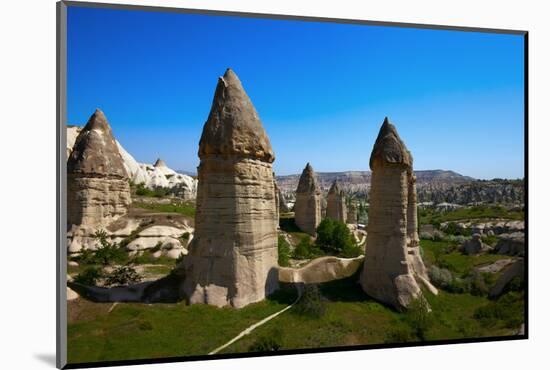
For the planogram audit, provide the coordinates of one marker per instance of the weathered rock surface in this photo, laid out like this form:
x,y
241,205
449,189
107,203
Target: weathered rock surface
x,y
321,270
512,244
232,259
475,246
495,266
167,239
351,217
97,183
336,203
393,267
516,270
307,209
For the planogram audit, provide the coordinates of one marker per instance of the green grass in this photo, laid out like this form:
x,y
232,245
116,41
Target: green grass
x,y
185,209
139,331
351,318
444,254
430,216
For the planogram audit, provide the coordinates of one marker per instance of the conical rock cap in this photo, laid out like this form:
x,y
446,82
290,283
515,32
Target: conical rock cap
x,y
95,152
233,127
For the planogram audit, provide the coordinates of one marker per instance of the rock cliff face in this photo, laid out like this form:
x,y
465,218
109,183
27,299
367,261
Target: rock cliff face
x,y
232,258
336,203
307,209
393,266
97,183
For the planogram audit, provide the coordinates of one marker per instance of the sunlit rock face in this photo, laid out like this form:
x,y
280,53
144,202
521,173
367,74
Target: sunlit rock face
x,y
232,259
98,191
393,267
307,209
336,203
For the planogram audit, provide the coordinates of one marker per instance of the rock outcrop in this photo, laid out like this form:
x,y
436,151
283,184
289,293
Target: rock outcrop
x,y
351,217
307,209
98,191
321,270
474,246
512,244
232,258
393,267
515,271
336,203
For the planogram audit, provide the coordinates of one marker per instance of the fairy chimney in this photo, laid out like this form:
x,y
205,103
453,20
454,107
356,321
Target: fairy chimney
x,y
307,209
98,191
336,203
393,267
233,256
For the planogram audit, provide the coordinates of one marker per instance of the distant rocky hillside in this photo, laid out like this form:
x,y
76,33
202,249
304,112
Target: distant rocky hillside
x,y
432,185
478,191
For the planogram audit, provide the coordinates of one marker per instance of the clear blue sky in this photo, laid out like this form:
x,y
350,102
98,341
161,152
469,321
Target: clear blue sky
x,y
322,90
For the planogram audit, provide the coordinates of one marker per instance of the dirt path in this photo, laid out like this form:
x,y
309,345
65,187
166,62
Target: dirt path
x,y
251,328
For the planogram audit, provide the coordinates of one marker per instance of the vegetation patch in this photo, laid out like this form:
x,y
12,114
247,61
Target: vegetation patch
x,y
186,209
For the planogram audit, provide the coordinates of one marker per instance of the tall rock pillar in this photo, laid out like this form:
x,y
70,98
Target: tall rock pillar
x,y
393,267
336,203
98,191
307,209
233,256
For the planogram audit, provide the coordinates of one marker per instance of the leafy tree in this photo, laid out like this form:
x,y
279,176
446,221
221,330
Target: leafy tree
x,y
89,276
122,275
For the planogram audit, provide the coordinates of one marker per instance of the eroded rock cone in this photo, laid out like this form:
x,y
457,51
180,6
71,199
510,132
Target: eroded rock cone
x,y
98,191
307,209
393,267
233,256
336,203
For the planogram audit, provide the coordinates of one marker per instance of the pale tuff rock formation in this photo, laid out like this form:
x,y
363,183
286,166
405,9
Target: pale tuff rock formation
x,y
351,217
321,270
232,259
168,238
474,246
152,176
336,203
307,209
98,191
393,265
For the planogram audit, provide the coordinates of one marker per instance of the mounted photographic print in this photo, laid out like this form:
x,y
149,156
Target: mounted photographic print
x,y
234,184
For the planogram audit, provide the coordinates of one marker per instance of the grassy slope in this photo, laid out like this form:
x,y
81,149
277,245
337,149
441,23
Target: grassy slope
x,y
352,318
428,216
455,260
139,331
183,208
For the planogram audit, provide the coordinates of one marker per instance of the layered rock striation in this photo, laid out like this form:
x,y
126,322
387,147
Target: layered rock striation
x,y
336,203
393,267
232,258
307,209
98,191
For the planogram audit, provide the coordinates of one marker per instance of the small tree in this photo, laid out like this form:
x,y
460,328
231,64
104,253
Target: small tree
x,y
418,317
122,275
284,251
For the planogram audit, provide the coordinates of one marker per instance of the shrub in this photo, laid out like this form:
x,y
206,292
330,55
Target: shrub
x,y
508,309
89,276
399,335
302,250
185,236
122,275
418,317
268,343
108,253
284,251
310,304
335,238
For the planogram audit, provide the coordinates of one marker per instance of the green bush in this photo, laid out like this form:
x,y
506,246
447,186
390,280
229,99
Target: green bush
x,y
418,317
108,253
334,237
268,343
508,309
284,251
311,303
399,335
303,249
122,275
89,276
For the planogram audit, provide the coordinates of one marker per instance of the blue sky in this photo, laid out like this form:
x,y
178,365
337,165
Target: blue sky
x,y
322,90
